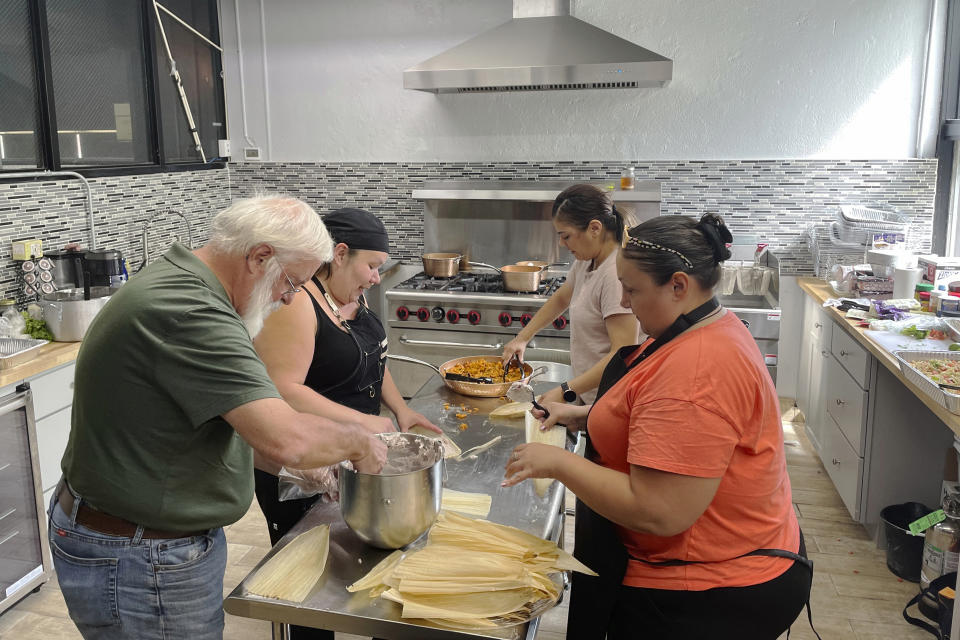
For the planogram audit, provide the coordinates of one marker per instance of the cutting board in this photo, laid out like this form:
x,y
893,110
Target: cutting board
x,y
898,342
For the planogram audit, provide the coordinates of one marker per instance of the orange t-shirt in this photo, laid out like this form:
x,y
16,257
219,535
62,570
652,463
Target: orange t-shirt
x,y
704,405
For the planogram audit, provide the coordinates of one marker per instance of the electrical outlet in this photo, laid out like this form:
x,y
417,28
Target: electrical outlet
x,y
224,147
251,153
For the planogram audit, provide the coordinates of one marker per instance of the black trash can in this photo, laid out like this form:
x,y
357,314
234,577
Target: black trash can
x,y
904,550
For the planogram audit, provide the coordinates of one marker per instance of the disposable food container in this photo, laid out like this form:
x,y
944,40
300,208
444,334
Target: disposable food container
x,y
949,400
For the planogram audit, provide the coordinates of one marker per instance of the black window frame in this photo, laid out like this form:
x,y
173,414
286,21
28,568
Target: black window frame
x,y
47,129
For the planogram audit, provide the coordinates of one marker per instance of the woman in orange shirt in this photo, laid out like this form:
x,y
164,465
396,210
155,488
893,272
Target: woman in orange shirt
x,y
684,503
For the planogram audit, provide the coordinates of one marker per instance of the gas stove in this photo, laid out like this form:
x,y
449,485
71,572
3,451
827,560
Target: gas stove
x,y
471,282
469,301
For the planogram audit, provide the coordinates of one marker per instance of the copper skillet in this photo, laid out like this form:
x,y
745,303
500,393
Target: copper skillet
x,y
475,389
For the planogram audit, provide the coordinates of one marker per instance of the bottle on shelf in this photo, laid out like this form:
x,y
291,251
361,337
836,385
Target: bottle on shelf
x,y
627,178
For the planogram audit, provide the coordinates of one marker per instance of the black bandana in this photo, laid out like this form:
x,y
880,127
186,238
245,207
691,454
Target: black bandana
x,y
358,229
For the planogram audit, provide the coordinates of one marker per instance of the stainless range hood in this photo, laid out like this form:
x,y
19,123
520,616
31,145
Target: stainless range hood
x,y
542,48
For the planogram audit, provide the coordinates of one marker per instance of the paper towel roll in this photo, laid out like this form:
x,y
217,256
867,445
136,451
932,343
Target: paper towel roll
x,y
904,281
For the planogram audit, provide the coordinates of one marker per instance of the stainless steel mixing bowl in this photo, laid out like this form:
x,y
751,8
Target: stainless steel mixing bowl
x,y
395,507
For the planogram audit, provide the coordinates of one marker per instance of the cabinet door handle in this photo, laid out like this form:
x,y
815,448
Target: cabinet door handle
x,y
843,353
817,325
840,402
836,462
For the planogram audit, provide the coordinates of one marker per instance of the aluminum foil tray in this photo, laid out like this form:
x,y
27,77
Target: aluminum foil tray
x,y
16,351
946,399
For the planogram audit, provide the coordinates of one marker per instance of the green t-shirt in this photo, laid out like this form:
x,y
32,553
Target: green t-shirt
x,y
165,358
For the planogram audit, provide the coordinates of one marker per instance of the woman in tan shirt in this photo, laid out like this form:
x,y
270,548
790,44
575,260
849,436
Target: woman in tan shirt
x,y
591,228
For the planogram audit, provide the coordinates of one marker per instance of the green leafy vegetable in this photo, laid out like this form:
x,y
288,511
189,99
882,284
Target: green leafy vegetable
x,y
36,328
954,347
913,332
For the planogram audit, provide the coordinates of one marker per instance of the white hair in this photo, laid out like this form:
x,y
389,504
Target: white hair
x,y
294,230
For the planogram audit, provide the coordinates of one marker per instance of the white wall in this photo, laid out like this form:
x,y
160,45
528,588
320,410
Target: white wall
x,y
752,80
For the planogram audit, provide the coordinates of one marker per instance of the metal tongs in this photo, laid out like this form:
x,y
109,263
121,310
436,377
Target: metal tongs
x,y
518,390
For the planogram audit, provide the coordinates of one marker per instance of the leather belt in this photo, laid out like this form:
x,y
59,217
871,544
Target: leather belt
x,y
112,525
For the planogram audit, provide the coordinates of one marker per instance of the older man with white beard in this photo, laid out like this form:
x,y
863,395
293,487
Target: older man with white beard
x,y
170,401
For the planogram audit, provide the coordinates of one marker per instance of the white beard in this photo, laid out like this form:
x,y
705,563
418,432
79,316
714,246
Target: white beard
x,y
260,305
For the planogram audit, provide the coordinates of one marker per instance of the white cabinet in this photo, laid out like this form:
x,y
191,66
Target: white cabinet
x,y
844,465
814,354
52,405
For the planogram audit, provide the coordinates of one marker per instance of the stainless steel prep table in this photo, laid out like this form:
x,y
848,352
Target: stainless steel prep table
x,y
331,606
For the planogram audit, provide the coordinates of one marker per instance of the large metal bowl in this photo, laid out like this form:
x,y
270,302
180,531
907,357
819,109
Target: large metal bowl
x,y
395,507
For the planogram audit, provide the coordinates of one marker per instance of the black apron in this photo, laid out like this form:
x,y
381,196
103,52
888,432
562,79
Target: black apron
x,y
596,542
359,388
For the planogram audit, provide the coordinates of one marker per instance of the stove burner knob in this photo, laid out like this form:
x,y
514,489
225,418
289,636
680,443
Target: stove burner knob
x,y
422,314
453,316
474,317
402,312
560,322
437,313
525,319
505,318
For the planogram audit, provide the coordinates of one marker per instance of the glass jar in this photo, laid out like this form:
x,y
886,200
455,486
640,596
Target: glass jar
x,y
627,178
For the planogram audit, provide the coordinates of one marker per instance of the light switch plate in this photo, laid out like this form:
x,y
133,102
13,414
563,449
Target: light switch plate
x,y
223,146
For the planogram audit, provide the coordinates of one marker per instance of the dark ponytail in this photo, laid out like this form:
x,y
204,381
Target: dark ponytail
x,y
580,204
667,244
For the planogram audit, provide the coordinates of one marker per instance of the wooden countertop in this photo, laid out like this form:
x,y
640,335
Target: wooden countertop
x,y
48,356
821,291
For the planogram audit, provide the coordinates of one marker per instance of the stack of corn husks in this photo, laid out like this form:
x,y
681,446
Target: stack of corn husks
x,y
472,574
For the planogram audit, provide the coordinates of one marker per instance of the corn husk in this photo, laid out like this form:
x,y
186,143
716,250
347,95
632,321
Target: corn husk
x,y
295,569
474,504
556,436
472,574
450,448
511,410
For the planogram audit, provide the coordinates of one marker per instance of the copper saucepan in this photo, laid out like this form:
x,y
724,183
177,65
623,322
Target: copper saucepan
x,y
475,389
516,277
441,265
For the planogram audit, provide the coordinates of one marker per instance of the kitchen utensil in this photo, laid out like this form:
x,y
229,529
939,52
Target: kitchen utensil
x,y
16,351
516,277
441,265
543,264
396,506
519,390
68,313
514,360
475,389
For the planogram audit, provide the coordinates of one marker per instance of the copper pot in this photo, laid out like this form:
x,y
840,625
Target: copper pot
x,y
441,265
516,277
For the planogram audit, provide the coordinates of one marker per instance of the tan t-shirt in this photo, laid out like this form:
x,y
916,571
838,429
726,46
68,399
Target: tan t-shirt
x,y
596,297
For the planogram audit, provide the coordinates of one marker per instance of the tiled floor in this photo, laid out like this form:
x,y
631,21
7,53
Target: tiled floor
x,y
854,594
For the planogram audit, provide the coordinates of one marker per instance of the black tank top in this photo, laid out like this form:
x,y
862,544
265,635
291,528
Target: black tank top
x,y
348,367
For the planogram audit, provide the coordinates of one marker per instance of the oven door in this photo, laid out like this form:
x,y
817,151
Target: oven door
x,y
437,347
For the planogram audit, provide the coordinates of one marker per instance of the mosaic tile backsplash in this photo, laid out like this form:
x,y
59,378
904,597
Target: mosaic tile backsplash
x,y
54,210
772,201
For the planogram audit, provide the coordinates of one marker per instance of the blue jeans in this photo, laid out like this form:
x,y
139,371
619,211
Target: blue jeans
x,y
117,587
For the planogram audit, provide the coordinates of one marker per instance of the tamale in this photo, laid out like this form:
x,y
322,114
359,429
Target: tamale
x,y
511,410
292,572
475,504
557,436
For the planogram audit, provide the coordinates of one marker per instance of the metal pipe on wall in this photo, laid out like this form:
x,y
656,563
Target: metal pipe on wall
x,y
62,174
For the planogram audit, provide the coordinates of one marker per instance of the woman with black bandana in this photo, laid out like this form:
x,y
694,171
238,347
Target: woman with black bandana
x,y
326,352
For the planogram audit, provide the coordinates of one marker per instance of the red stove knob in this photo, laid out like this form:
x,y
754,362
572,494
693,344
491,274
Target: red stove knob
x,y
560,322
473,317
423,314
402,312
505,318
453,316
525,319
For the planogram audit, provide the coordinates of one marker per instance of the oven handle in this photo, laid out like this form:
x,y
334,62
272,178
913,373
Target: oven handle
x,y
533,345
457,345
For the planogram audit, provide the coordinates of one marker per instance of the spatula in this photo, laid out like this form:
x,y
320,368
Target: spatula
x,y
519,390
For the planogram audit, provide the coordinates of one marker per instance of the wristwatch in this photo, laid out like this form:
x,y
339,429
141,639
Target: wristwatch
x,y
569,395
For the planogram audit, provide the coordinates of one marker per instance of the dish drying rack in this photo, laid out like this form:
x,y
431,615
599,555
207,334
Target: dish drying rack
x,y
846,239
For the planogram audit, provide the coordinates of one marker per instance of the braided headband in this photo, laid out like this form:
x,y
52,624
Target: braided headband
x,y
646,244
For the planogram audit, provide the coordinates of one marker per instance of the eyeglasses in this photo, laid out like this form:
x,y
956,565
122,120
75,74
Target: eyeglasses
x,y
294,289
